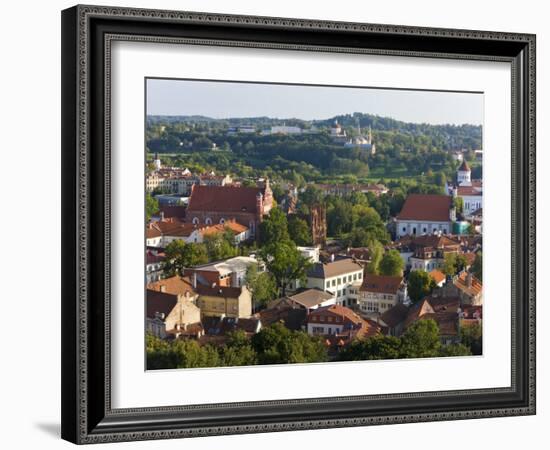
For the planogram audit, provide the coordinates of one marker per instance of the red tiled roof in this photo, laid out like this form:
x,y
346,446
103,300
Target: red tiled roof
x,y
469,190
461,282
173,285
345,313
381,284
160,302
437,276
426,207
173,211
223,199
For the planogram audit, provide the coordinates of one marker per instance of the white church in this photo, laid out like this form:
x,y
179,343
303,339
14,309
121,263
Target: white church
x,y
471,191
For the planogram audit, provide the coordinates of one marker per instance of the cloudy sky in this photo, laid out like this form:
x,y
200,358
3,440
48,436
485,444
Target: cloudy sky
x,y
227,99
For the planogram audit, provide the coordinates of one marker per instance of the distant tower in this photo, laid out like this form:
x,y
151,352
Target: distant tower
x,y
318,223
156,162
370,135
464,174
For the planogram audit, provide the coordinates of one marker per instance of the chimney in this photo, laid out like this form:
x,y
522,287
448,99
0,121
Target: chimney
x,y
194,280
162,288
162,216
332,257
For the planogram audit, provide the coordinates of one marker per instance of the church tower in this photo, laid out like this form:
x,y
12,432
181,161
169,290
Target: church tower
x,y
464,174
156,162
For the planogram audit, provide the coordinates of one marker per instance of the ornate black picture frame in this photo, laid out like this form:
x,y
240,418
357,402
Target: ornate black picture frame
x,y
87,33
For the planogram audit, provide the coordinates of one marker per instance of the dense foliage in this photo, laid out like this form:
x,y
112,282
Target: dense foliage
x,y
272,345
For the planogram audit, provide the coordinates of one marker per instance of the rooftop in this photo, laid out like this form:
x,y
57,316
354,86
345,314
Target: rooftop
x,y
173,285
426,207
224,198
311,297
381,284
332,269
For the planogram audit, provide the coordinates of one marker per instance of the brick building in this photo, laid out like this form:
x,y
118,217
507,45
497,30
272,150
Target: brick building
x,y
218,204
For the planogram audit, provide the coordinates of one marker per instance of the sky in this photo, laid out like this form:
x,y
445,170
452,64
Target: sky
x,y
221,100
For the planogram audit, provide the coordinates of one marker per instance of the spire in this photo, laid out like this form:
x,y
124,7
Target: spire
x,y
464,167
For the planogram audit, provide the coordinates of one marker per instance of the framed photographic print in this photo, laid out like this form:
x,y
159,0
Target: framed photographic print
x,y
284,224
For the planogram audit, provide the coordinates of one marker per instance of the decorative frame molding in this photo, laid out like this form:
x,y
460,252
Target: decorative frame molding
x,y
87,34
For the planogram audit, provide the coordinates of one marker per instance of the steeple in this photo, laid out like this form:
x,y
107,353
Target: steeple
x,y
464,174
156,162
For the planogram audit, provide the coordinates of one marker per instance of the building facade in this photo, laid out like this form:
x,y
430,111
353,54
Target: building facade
x,y
335,277
425,214
210,205
379,293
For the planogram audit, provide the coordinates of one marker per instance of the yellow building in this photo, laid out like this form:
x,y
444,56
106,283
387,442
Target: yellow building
x,y
224,301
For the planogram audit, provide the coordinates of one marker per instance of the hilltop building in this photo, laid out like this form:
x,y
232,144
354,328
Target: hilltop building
x,y
361,141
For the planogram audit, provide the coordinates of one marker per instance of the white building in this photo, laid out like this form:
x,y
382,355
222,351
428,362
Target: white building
x,y
311,253
470,191
283,129
425,214
378,293
335,277
464,174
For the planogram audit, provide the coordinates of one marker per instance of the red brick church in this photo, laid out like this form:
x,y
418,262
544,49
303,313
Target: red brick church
x,y
218,204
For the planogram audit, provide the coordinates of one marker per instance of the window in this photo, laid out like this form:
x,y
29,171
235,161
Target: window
x,y
208,221
195,220
333,283
339,281
359,275
327,284
222,221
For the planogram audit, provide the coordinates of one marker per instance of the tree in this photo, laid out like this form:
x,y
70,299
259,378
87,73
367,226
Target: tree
x,y
238,350
376,347
477,266
311,196
262,286
151,206
277,344
454,350
220,246
180,255
449,264
339,217
454,263
274,227
368,219
299,231
285,263
419,285
471,337
421,340
376,251
181,353
458,203
392,264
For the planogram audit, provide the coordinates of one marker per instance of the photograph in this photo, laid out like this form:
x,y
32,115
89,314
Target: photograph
x,y
302,223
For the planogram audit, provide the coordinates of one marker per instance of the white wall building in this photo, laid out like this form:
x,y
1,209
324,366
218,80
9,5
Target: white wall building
x,y
425,214
335,277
